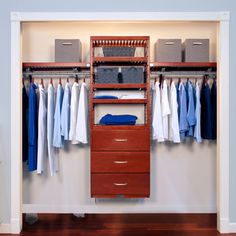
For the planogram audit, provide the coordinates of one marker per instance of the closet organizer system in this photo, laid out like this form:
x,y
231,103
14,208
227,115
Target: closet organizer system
x,y
120,154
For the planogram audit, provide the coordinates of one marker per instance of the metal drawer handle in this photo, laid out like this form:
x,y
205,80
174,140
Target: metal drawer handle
x,y
121,139
120,184
197,43
169,43
120,162
67,43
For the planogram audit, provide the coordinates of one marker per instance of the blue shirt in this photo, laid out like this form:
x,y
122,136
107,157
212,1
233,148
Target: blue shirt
x,y
32,128
65,112
191,109
183,122
57,138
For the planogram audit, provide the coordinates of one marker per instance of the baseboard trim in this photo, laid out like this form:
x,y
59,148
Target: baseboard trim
x,y
35,208
5,228
15,226
232,227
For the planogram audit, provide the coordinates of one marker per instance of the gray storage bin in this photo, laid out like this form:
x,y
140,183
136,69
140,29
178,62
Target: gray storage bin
x,y
106,75
67,50
132,74
168,50
196,50
118,51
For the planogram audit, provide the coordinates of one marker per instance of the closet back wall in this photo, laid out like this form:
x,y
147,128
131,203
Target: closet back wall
x,y
183,176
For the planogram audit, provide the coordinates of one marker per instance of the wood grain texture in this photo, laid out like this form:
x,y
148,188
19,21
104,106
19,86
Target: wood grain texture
x,y
124,224
117,140
118,162
120,184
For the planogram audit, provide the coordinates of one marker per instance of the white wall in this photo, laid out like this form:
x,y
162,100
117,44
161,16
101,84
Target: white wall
x,y
183,177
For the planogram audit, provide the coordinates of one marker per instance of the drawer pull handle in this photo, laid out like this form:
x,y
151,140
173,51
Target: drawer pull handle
x,y
67,44
120,162
169,43
197,43
121,139
120,184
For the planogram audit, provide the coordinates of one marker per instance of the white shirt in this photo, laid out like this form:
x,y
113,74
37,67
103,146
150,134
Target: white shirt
x,y
42,130
165,108
74,112
65,112
53,161
197,130
82,117
157,128
174,121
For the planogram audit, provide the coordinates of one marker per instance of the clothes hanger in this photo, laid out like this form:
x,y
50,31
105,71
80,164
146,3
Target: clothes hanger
x,y
31,79
171,80
84,80
67,80
51,81
76,78
42,83
60,81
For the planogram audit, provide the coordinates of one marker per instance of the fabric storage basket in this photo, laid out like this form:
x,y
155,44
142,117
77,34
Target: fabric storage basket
x,y
168,50
132,74
67,50
118,51
106,75
196,50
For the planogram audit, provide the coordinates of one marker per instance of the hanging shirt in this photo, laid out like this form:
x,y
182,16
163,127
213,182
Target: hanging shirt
x,y
65,112
53,162
191,109
74,112
165,108
214,109
57,138
206,120
183,122
157,133
32,128
42,130
174,122
82,117
25,111
197,130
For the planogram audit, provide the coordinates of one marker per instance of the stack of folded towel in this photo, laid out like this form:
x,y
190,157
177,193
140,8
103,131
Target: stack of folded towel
x,y
109,119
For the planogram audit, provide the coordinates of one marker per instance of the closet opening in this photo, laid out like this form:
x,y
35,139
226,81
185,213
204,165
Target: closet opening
x,y
183,176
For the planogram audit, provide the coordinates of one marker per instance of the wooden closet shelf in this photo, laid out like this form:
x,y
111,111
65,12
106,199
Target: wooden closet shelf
x,y
120,86
184,64
120,59
119,127
119,101
40,65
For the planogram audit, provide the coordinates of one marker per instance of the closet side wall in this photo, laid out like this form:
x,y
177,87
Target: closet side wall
x,y
183,176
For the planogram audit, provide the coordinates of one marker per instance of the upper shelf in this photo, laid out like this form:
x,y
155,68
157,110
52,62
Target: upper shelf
x,y
184,64
56,65
120,59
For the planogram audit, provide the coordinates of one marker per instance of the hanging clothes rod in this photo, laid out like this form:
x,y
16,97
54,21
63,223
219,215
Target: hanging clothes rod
x,y
56,74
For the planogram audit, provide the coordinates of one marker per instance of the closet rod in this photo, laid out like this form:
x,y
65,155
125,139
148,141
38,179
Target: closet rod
x,y
56,75
182,73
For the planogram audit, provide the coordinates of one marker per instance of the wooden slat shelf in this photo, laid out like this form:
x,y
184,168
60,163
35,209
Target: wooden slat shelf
x,y
120,86
119,127
121,59
48,65
119,101
184,64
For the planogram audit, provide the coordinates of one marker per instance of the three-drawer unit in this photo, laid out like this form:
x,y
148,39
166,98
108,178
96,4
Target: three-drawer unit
x,y
120,154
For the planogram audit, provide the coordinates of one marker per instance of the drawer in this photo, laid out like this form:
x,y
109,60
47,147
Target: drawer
x,y
128,140
117,162
120,184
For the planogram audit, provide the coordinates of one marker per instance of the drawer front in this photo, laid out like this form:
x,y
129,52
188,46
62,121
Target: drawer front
x,y
128,140
120,184
118,162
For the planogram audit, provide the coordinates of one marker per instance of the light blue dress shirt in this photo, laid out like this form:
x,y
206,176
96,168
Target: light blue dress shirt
x,y
65,112
183,122
197,130
191,109
57,138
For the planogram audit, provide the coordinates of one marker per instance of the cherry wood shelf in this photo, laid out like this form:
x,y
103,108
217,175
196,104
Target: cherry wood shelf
x,y
120,127
120,59
184,64
119,101
120,86
49,65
